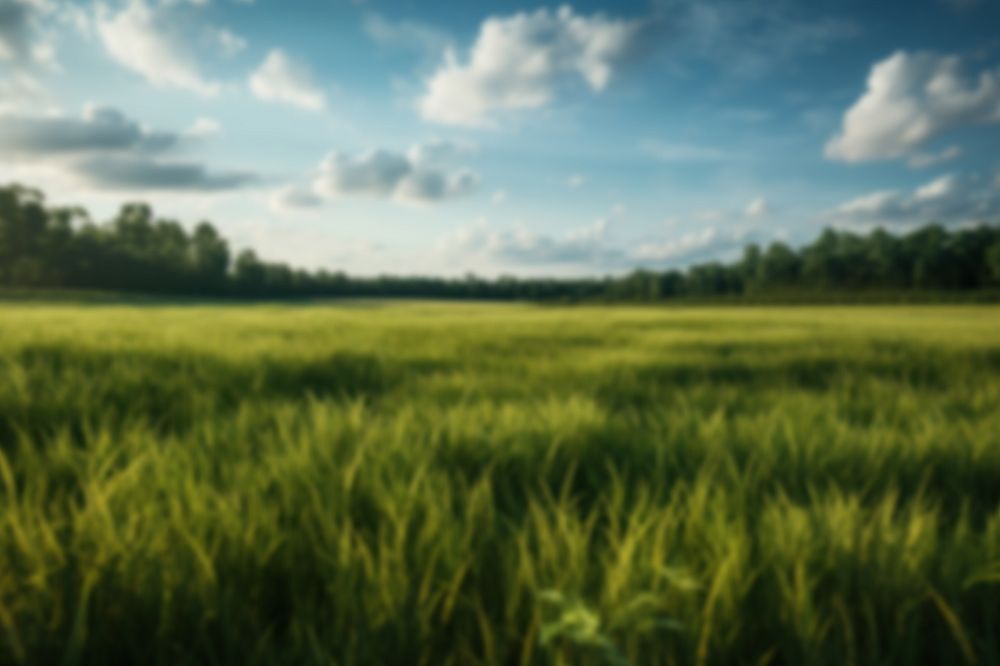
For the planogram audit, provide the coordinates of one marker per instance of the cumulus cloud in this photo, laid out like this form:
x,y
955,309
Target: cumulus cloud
x,y
950,199
520,62
430,185
280,79
376,173
134,173
418,176
912,98
153,42
99,129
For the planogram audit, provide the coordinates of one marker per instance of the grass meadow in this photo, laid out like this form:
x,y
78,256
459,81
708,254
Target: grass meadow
x,y
415,483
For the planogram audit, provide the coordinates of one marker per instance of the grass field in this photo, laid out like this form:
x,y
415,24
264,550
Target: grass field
x,y
486,484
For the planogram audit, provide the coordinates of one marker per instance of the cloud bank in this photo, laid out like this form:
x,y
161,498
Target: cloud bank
x,y
586,246
950,199
99,129
106,149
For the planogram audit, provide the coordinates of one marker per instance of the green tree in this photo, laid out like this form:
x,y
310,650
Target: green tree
x,y
23,224
209,255
886,256
780,266
249,272
749,266
993,262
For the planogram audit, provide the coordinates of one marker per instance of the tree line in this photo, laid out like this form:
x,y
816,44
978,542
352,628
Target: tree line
x,y
60,247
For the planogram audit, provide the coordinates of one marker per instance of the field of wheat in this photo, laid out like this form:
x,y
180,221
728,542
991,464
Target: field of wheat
x,y
393,483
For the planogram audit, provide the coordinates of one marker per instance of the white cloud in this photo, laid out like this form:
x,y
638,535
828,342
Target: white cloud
x,y
586,246
499,197
937,189
416,177
279,79
152,42
871,204
950,199
203,127
591,247
519,62
712,243
575,181
912,98
678,248
757,208
923,160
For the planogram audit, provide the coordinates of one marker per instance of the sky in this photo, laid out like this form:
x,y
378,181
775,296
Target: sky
x,y
442,137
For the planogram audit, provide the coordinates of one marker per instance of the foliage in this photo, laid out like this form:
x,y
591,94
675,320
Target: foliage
x,y
499,484
42,247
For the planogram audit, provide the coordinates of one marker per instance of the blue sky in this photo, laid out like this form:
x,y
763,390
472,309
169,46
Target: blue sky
x,y
507,137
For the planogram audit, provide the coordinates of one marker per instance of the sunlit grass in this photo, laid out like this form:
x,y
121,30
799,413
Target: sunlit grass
x,y
480,484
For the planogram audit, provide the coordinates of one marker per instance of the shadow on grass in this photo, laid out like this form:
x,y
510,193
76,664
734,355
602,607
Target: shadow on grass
x,y
641,386
73,388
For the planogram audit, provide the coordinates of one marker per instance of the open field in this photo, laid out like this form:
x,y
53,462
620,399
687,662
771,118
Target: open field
x,y
498,484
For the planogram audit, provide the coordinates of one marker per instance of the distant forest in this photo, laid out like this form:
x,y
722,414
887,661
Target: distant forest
x,y
50,247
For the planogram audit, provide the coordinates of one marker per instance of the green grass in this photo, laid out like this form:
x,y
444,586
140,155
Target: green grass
x,y
484,484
